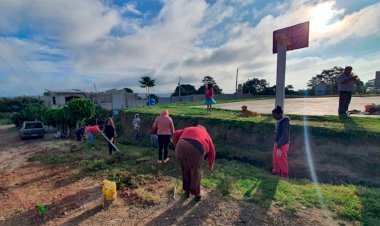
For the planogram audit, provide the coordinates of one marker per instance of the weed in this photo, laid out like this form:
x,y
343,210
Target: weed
x,y
95,166
147,197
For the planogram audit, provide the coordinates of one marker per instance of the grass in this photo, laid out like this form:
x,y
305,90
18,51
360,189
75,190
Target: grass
x,y
235,180
5,119
332,123
147,197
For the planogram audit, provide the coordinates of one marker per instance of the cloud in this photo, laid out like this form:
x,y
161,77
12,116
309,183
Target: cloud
x,y
73,42
131,8
71,22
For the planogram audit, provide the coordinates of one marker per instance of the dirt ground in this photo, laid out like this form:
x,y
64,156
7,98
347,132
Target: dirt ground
x,y
75,199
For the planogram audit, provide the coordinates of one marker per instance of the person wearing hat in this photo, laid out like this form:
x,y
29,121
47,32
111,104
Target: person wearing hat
x,y
346,84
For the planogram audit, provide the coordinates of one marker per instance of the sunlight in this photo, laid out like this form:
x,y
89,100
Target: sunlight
x,y
321,16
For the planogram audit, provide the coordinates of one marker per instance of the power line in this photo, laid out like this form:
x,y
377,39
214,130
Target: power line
x,y
9,46
30,87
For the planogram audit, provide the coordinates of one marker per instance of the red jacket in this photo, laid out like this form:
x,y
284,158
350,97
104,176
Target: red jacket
x,y
200,136
209,94
92,129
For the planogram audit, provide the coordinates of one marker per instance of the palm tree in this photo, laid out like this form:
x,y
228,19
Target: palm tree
x,y
146,82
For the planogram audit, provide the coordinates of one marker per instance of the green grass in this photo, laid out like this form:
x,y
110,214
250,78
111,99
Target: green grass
x,y
235,180
5,119
320,124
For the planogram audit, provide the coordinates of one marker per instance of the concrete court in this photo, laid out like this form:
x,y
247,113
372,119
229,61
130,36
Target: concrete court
x,y
302,106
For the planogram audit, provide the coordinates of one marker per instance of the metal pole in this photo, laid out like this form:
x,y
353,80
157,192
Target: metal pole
x,y
236,87
179,88
280,80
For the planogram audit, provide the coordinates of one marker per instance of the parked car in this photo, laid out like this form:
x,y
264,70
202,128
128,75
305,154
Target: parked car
x,y
372,90
31,129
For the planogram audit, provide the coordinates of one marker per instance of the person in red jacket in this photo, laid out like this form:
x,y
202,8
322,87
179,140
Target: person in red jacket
x,y
192,145
209,97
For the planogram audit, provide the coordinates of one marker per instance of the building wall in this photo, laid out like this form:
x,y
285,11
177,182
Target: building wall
x,y
377,79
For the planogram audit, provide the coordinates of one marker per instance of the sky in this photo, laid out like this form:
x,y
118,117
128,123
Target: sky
x,y
71,44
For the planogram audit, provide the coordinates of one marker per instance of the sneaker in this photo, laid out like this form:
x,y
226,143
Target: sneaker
x,y
198,198
166,160
159,161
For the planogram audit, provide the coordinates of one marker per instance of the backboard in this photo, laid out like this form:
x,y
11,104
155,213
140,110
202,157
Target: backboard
x,y
294,37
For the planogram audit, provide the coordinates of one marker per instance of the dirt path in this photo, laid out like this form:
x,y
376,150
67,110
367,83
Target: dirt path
x,y
75,199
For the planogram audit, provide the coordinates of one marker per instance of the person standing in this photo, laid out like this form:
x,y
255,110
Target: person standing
x,y
346,84
281,138
192,145
209,97
136,126
110,133
165,128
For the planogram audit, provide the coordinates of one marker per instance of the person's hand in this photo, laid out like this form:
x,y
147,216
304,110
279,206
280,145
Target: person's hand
x,y
278,152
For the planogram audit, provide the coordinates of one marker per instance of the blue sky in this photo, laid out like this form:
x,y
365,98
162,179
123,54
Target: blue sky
x,y
72,44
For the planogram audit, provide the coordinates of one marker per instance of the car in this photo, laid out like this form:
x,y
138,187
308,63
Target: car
x,y
31,129
372,90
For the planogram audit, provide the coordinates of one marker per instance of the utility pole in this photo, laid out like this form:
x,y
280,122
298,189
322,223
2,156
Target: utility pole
x,y
97,103
179,88
236,87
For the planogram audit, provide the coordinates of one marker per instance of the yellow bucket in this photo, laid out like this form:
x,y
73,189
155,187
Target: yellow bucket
x,y
108,191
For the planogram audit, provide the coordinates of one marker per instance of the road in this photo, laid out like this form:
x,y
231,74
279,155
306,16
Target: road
x,y
302,106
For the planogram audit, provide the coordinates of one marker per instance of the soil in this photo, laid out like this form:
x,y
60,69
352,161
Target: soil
x,y
74,199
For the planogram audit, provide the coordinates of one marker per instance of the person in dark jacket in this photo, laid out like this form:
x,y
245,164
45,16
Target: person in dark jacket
x,y
281,138
109,131
79,133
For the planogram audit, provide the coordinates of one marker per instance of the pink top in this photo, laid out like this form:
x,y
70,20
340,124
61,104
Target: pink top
x,y
202,137
164,124
209,94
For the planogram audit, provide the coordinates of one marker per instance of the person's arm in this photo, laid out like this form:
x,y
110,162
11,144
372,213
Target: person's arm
x,y
211,154
342,80
283,136
171,126
155,124
176,135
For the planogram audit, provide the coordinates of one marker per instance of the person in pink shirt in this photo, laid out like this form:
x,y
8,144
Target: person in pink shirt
x,y
192,145
165,128
209,97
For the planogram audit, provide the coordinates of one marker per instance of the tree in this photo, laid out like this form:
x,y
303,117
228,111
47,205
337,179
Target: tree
x,y
146,82
80,109
186,89
329,77
128,90
370,83
289,90
255,86
207,80
270,90
29,112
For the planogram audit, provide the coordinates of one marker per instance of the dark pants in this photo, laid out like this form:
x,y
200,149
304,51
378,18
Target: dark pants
x,y
190,158
163,143
344,101
79,133
111,147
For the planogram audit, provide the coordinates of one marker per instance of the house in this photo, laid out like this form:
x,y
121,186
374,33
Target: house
x,y
109,100
117,99
57,99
